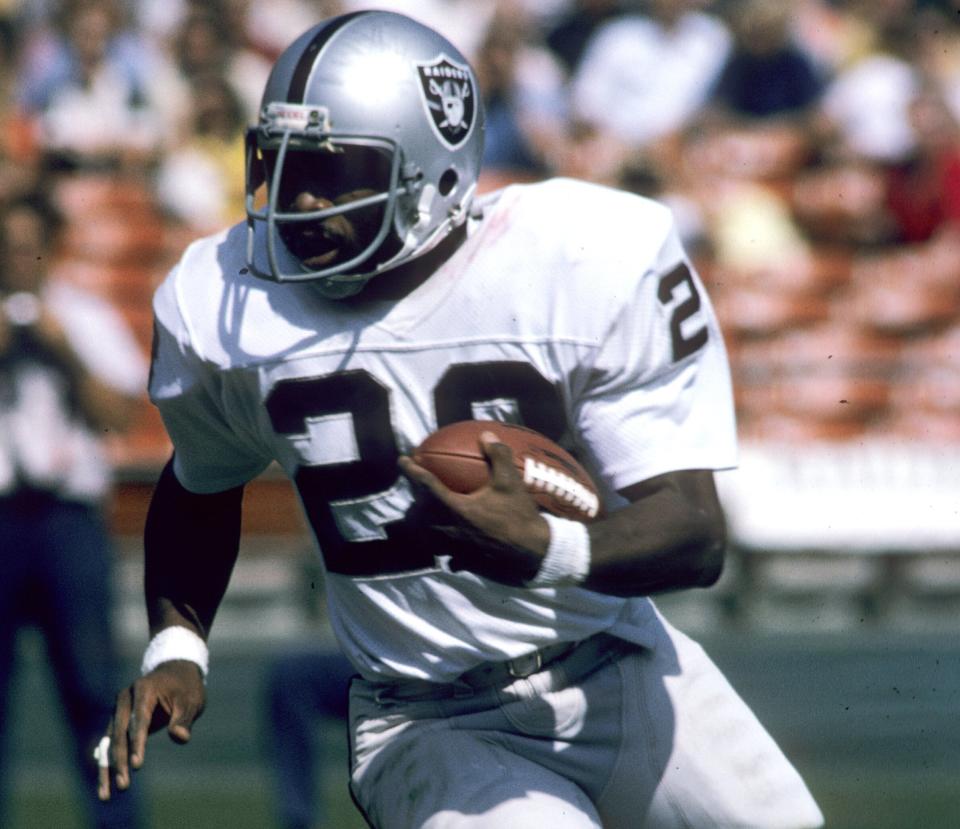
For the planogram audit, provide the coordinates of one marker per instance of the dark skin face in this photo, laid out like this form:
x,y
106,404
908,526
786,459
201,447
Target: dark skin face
x,y
316,181
319,180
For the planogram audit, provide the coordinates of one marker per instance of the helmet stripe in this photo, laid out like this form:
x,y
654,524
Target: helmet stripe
x,y
298,83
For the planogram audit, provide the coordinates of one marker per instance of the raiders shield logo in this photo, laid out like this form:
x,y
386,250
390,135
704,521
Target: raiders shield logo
x,y
449,97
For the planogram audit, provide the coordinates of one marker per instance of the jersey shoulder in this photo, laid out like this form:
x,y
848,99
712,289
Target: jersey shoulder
x,y
203,299
578,232
592,218
569,256
198,280
565,195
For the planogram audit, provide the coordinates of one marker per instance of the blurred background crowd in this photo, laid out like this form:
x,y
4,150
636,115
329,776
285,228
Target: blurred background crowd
x,y
810,150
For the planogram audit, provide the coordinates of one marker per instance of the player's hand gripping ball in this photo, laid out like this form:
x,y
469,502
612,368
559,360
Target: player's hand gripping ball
x,y
555,479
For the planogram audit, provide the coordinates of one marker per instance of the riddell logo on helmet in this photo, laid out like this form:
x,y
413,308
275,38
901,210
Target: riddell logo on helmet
x,y
449,98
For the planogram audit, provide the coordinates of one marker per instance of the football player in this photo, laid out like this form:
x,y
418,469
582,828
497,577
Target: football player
x,y
512,669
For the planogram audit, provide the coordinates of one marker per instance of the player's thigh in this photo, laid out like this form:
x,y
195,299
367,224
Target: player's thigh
x,y
717,765
721,742
433,777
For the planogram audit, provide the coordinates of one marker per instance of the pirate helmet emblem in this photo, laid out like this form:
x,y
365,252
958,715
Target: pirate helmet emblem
x,y
449,95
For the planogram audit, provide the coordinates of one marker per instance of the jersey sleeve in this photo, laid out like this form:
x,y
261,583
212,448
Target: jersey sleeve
x,y
658,396
214,449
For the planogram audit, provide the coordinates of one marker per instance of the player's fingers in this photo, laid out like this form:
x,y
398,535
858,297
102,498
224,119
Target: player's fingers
x,y
425,478
144,703
181,722
119,729
503,473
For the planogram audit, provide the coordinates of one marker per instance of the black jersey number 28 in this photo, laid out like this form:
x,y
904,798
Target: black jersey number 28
x,y
395,546
293,402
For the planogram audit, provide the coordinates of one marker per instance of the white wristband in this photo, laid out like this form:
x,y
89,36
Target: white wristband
x,y
567,561
176,643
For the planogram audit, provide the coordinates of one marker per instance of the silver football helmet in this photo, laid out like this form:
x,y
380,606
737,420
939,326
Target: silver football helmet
x,y
376,109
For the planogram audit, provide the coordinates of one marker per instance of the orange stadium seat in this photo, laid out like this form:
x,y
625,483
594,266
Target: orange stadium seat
x,y
825,381
751,312
885,298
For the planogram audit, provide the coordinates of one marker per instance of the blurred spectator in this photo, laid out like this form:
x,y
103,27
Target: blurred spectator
x,y
767,74
16,176
568,37
305,691
200,182
866,105
158,19
524,97
9,36
752,230
463,22
831,33
84,80
842,201
937,49
924,191
69,372
16,131
272,25
922,211
644,77
206,44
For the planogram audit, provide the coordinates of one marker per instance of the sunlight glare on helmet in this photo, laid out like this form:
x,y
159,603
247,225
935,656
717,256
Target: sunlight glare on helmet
x,y
372,79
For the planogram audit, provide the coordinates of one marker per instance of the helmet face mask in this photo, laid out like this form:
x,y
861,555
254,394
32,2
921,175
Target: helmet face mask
x,y
369,142
331,201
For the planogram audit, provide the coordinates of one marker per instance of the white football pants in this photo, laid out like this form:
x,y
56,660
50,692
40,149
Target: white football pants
x,y
656,739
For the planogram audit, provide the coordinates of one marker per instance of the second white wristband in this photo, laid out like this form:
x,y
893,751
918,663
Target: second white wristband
x,y
567,561
176,643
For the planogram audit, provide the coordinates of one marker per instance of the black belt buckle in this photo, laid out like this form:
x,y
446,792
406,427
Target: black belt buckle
x,y
526,665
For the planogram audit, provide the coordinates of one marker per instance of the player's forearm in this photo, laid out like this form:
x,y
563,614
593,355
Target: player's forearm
x,y
191,543
672,536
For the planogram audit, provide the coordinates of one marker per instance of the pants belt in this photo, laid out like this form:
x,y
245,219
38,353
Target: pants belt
x,y
489,674
578,660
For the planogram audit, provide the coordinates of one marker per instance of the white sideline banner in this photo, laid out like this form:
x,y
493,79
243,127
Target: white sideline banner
x,y
871,496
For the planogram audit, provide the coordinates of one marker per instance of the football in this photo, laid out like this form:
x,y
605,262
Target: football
x,y
556,480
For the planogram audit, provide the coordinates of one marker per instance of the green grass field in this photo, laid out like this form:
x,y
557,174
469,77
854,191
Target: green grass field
x,y
871,722
219,802
850,801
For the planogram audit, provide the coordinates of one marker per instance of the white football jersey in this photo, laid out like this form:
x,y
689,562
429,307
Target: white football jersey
x,y
570,308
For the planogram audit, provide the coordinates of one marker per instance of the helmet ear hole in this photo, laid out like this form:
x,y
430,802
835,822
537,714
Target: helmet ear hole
x,y
447,182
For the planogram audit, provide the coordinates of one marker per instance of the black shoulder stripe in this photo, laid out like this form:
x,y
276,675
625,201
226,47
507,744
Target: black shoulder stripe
x,y
298,83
